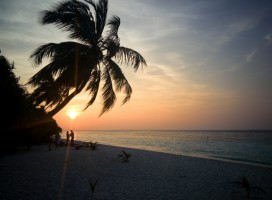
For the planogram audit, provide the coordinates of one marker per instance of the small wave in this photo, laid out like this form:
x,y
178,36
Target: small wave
x,y
241,160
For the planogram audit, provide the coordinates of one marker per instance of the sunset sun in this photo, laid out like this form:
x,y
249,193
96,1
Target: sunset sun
x,y
72,114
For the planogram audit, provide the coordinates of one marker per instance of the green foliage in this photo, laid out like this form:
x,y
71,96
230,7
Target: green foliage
x,y
244,184
92,185
125,156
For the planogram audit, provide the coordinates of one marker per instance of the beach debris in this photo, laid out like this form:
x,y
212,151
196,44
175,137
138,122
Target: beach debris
x,y
93,145
92,186
244,183
125,156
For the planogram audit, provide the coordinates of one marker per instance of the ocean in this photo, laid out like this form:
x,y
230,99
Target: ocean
x,y
247,146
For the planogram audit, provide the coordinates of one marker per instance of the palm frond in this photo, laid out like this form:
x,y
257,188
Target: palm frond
x,y
74,17
49,93
108,95
58,67
119,79
93,86
111,42
113,23
63,49
101,10
68,59
111,45
43,51
41,77
69,69
130,57
75,65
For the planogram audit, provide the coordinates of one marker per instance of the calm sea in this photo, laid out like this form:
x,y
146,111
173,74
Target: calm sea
x,y
252,147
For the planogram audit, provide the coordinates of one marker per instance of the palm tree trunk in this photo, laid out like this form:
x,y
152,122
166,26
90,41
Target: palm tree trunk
x,y
67,100
63,104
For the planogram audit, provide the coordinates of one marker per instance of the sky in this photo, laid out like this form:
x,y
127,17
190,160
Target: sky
x,y
209,63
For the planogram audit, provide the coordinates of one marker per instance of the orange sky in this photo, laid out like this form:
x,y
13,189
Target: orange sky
x,y
209,63
175,104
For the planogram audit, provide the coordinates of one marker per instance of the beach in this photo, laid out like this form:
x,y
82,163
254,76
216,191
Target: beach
x,y
65,173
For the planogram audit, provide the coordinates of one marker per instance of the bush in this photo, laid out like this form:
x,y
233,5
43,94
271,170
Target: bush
x,y
23,124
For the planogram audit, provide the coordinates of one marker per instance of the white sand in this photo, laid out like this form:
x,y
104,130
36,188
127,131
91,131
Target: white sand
x,y
61,174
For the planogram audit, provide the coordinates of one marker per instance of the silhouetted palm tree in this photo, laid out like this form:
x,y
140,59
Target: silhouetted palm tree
x,y
92,56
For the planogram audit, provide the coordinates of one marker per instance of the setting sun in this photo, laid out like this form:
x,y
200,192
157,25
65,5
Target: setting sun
x,y
72,114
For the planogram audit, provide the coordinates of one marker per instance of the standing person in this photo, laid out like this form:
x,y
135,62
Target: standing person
x,y
72,137
67,137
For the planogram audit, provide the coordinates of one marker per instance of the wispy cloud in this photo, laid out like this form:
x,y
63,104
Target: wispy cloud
x,y
268,38
250,55
195,50
233,29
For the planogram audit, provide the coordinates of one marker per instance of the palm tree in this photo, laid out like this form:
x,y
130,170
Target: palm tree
x,y
91,57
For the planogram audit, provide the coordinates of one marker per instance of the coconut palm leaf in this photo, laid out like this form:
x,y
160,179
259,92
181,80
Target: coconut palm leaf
x,y
108,95
74,17
101,10
93,86
85,62
119,79
130,57
113,23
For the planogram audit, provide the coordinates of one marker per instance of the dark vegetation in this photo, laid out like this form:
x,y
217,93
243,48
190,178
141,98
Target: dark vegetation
x,y
90,61
249,189
92,185
93,145
124,156
21,123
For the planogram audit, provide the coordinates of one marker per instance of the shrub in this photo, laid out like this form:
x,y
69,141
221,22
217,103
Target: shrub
x,y
93,145
125,156
244,183
93,186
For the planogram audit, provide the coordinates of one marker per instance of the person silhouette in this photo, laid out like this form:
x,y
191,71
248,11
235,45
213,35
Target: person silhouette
x,y
67,137
72,136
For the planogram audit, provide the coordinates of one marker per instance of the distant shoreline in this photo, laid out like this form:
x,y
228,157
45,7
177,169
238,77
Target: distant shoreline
x,y
247,147
250,163
212,130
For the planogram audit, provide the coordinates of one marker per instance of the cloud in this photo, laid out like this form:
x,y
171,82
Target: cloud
x,y
250,56
268,38
233,29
